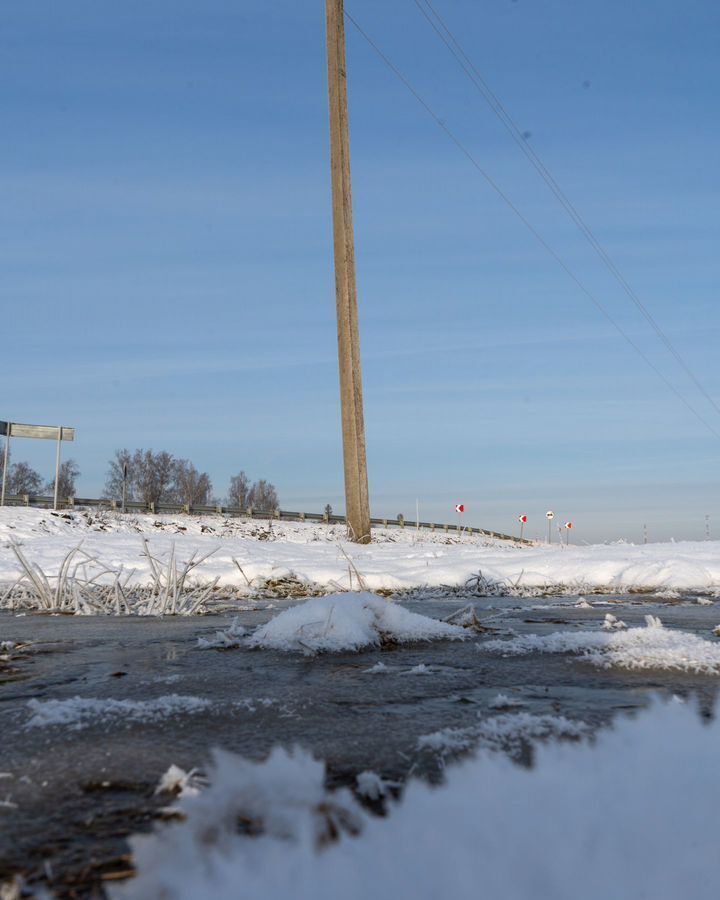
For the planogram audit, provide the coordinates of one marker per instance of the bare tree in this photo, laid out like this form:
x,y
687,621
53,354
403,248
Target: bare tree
x,y
190,486
151,476
239,490
69,473
263,496
157,475
114,478
22,479
328,510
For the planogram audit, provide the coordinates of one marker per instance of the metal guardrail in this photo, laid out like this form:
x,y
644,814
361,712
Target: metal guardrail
x,y
249,513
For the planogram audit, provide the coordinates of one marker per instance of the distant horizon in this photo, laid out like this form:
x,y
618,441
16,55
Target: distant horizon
x,y
662,525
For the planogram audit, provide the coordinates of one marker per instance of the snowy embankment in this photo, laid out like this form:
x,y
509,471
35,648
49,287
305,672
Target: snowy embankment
x,y
244,556
632,815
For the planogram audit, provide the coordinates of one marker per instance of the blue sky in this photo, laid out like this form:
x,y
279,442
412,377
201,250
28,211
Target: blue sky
x,y
166,258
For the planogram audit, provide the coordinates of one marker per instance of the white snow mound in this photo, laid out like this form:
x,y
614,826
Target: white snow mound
x,y
348,622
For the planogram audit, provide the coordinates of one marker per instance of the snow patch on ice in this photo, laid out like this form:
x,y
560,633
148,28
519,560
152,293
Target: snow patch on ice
x,y
378,669
224,640
652,647
507,733
80,712
348,622
502,701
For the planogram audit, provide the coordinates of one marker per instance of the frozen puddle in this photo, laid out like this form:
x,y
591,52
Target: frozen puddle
x,y
652,647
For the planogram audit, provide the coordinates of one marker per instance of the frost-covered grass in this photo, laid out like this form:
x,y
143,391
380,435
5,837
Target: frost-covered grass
x,y
652,647
633,814
249,558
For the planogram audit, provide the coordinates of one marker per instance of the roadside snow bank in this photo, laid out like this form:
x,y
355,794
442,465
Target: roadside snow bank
x,y
652,647
348,622
632,815
401,559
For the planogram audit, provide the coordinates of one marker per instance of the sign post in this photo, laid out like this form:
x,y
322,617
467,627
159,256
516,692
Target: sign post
x,y
5,462
568,527
523,521
459,509
549,515
57,433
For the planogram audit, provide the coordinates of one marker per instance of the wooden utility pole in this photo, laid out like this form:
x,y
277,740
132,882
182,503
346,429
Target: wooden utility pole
x,y
351,398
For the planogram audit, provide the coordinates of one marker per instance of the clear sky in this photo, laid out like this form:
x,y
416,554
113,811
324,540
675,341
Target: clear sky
x,y
166,259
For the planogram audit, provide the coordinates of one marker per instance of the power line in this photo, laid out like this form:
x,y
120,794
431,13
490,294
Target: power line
x,y
448,38
498,190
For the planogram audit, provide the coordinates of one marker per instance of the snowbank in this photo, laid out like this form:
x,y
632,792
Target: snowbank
x,y
397,560
652,647
632,815
348,622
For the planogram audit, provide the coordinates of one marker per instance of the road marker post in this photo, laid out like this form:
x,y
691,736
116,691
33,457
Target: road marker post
x,y
523,521
549,515
459,509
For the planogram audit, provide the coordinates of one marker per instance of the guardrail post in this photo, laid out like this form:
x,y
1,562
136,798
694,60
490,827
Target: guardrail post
x,y
250,512
326,518
71,502
186,508
219,510
447,528
276,514
385,523
401,520
26,498
302,517
152,507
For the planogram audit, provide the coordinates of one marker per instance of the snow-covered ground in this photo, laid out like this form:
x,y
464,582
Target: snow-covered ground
x,y
250,553
633,814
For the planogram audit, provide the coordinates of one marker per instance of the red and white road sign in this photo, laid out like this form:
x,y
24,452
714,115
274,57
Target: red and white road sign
x,y
522,519
459,507
568,524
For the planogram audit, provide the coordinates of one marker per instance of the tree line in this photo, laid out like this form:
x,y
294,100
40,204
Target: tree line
x,y
159,477
23,479
152,477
